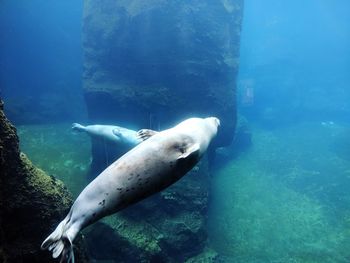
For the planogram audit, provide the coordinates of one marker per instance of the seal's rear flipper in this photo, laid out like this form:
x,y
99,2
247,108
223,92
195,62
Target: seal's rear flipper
x,y
59,243
67,253
78,127
145,134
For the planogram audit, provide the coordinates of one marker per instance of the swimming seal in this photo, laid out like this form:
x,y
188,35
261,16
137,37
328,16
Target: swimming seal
x,y
115,134
156,163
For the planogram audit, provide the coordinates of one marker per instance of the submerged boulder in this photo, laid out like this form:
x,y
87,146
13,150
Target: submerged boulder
x,y
31,202
155,63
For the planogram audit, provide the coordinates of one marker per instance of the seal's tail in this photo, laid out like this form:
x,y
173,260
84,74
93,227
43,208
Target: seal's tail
x,y
59,243
78,127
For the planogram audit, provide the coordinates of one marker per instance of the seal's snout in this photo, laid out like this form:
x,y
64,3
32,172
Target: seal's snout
x,y
213,125
215,120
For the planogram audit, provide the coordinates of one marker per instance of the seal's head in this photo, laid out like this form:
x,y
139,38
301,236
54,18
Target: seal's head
x,y
213,124
214,120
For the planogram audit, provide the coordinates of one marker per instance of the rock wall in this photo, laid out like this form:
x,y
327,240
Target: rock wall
x,y
153,63
31,202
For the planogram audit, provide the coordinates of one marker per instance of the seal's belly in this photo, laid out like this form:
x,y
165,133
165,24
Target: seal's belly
x,y
125,182
134,181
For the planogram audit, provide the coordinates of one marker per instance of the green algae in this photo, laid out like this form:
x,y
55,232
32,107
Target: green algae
x,y
284,200
207,256
31,204
142,236
59,152
270,221
48,186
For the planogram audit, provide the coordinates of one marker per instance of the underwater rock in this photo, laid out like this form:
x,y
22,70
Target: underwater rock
x,y
51,107
153,63
242,142
103,154
243,136
183,217
208,256
112,246
31,202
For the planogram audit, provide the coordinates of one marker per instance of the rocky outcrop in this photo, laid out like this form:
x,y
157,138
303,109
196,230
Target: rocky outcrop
x,y
61,105
153,63
31,202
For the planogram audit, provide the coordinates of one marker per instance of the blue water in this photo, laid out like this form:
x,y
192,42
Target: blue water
x,y
280,192
285,199
297,56
41,58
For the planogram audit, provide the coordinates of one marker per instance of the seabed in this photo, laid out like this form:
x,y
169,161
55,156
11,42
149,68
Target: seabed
x,y
284,199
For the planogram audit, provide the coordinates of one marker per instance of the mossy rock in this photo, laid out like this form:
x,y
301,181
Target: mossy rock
x,y
32,203
207,256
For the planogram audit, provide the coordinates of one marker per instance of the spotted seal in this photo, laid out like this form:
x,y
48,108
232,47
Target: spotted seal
x,y
116,134
156,163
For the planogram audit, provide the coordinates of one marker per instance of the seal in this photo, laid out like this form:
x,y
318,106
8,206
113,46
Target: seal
x,y
115,134
156,163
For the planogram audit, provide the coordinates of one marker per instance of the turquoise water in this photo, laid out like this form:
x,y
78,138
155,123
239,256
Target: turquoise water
x,y
283,65
286,198
59,152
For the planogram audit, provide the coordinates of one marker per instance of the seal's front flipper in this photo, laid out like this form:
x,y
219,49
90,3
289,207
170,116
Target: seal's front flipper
x,y
145,134
191,150
78,127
